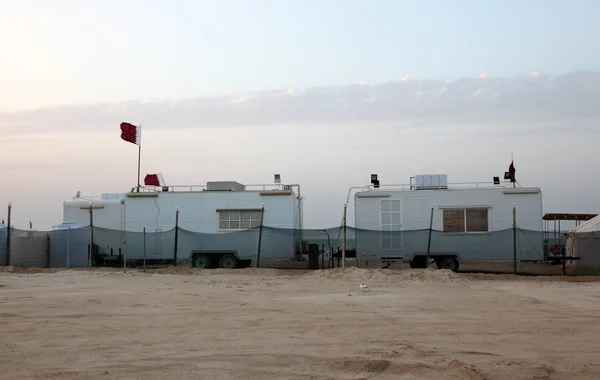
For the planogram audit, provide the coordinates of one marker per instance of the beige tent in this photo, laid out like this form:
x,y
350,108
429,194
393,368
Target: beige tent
x,y
583,241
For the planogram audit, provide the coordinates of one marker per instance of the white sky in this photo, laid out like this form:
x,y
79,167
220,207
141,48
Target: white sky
x,y
353,94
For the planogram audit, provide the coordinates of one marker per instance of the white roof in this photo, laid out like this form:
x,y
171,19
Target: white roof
x,y
592,225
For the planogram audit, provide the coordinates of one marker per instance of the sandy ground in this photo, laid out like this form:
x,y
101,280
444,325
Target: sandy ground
x,y
291,324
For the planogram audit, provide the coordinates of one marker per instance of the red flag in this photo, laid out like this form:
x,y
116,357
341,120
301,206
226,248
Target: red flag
x,y
512,171
154,180
151,180
130,133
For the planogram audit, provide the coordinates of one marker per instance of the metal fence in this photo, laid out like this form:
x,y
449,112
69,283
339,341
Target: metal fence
x,y
501,251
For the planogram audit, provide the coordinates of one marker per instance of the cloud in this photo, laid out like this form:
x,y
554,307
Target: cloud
x,y
571,99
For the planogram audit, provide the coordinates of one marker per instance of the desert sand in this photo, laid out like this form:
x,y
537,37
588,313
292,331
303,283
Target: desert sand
x,y
181,323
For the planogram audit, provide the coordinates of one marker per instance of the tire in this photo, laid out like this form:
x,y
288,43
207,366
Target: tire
x,y
448,263
201,261
228,262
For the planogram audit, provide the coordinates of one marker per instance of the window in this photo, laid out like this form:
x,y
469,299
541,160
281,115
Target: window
x,y
465,220
391,224
239,220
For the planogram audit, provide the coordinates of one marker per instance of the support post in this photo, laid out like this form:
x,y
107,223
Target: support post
x,y
124,238
144,249
323,257
563,253
262,218
344,238
514,237
429,239
8,233
176,235
90,258
331,259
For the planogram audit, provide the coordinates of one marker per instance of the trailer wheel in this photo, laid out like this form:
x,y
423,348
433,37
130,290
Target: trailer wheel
x,y
448,263
201,261
228,262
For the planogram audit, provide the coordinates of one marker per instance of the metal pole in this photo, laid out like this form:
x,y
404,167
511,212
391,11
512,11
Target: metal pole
x,y
68,247
139,158
300,222
563,253
262,215
176,235
515,237
144,249
331,259
429,239
125,237
8,233
344,238
91,234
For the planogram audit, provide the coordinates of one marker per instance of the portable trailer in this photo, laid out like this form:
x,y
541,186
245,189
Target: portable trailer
x,y
220,222
469,222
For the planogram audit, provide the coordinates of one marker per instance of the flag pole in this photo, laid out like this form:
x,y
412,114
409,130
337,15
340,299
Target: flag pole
x,y
139,158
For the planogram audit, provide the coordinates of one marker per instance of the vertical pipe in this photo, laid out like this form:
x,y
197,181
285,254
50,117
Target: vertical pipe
x,y
176,235
323,257
344,238
429,239
260,236
144,249
515,237
8,233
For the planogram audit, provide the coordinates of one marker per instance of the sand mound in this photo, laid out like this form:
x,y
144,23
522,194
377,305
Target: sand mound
x,y
529,278
215,272
387,275
20,269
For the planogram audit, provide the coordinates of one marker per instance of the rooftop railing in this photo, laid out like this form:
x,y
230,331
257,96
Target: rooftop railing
x,y
198,188
451,186
190,188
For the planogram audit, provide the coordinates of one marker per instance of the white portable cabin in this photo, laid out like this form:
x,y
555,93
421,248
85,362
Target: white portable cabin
x,y
108,211
218,216
108,218
474,220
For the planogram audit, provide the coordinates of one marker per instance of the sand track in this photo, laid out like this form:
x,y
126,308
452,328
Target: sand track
x,y
177,323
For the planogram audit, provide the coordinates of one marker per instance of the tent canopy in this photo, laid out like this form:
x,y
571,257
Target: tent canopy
x,y
583,241
592,225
